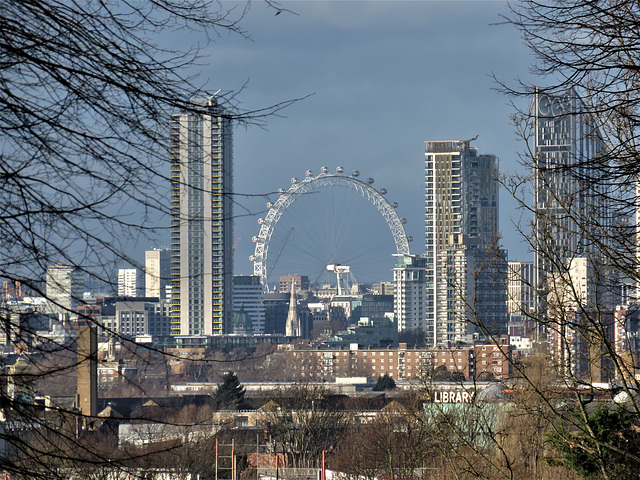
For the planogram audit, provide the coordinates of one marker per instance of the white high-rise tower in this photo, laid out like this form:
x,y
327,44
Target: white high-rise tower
x,y
201,221
465,272
130,282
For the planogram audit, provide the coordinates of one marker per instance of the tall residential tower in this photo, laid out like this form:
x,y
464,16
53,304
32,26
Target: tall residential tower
x,y
565,203
201,221
465,273
577,285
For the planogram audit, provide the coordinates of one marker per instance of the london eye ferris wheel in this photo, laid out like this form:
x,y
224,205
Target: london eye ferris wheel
x,y
325,220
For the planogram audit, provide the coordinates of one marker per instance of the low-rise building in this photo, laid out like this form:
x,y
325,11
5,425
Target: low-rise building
x,y
402,363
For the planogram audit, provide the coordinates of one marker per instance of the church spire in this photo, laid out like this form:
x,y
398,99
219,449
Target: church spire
x,y
293,323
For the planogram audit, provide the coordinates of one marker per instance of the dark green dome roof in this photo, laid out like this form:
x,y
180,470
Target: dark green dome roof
x,y
242,321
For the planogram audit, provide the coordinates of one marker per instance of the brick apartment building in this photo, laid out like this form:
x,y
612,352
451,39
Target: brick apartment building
x,y
402,363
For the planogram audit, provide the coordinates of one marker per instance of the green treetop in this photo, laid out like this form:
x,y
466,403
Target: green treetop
x,y
230,393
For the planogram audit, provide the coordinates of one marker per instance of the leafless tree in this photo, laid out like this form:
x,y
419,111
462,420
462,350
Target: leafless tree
x,y
583,201
86,92
394,443
304,422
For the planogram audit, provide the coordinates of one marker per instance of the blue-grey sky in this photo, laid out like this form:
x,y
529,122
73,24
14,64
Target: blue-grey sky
x,y
384,76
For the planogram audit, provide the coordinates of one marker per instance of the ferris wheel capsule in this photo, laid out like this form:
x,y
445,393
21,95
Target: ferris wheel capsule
x,y
308,173
254,239
282,191
340,169
269,204
409,238
324,170
403,221
294,180
383,191
370,181
261,221
394,204
355,173
252,258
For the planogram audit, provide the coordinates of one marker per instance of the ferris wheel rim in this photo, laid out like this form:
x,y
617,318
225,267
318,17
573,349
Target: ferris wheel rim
x,y
324,179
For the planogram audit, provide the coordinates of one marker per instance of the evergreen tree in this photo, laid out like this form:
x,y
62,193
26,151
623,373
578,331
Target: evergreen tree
x,y
384,382
230,393
602,445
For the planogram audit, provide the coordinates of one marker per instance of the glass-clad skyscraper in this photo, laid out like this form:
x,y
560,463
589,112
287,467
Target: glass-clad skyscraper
x,y
567,200
201,221
576,285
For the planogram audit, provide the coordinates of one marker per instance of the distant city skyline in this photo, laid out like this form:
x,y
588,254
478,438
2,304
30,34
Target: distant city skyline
x,y
383,77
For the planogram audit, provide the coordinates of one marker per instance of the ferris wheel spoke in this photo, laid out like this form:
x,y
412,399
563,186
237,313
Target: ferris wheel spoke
x,y
321,220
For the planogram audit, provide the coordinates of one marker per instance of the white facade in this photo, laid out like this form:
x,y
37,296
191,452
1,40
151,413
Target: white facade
x,y
573,289
523,344
64,288
130,282
410,294
521,298
201,221
157,267
576,303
